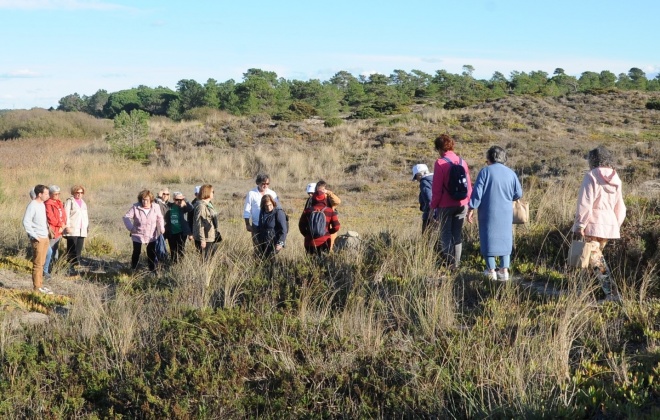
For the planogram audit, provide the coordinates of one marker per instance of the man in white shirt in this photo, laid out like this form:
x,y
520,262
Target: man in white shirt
x,y
36,227
252,207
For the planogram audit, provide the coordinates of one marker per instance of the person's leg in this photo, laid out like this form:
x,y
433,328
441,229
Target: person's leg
x,y
505,261
71,250
80,243
54,249
40,249
49,256
135,257
490,263
171,241
598,264
446,244
457,233
151,255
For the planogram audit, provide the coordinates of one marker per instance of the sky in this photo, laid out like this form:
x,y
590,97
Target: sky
x,y
53,48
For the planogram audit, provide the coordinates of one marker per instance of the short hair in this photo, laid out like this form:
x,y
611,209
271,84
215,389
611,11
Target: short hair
x,y
145,194
320,183
261,178
205,191
600,157
444,143
39,189
163,191
266,198
76,188
54,189
496,155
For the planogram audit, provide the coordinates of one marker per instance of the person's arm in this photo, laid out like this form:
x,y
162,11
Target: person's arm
x,y
160,220
198,225
27,223
333,199
476,195
585,203
620,207
303,225
128,219
334,223
247,212
281,230
517,192
436,187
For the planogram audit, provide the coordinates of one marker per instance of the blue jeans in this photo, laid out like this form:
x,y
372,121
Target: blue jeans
x,y
505,261
49,255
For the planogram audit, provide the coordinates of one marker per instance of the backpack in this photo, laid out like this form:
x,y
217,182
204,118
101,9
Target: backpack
x,y
457,185
317,223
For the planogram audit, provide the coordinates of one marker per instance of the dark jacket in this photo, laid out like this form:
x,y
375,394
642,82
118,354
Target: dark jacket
x,y
273,228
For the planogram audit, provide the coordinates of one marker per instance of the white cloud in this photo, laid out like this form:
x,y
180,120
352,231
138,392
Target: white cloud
x,y
59,5
20,74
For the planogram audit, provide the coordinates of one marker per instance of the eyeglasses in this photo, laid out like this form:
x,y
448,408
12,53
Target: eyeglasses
x,y
79,192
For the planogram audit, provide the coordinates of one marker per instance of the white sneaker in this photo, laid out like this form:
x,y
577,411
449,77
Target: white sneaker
x,y
503,275
45,291
490,275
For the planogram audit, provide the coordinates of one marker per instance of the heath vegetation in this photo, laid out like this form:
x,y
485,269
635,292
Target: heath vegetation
x,y
379,331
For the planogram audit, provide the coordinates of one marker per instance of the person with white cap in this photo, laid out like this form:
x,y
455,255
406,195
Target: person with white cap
x,y
311,189
421,173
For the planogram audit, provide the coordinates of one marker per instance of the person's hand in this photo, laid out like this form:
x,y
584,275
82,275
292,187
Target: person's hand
x,y
202,245
190,237
470,216
580,233
278,248
248,228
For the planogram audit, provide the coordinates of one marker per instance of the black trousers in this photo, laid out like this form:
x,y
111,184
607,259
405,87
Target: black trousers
x,y
151,255
177,242
74,247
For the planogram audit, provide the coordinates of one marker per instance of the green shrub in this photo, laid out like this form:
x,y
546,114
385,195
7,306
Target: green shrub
x,y
333,122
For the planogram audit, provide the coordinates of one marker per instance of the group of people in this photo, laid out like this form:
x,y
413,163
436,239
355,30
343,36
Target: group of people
x,y
447,198
600,210
46,221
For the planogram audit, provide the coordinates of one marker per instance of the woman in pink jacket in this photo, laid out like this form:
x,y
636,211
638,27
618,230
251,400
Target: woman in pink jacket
x,y
145,222
449,211
600,212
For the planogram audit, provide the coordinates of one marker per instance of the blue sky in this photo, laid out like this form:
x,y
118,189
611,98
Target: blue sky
x,y
52,48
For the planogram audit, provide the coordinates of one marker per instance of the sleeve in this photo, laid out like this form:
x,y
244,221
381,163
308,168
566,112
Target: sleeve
x,y
333,199
67,210
27,222
469,179
478,190
302,224
585,203
128,219
160,220
334,223
198,227
425,196
51,217
620,207
517,188
281,228
436,187
247,207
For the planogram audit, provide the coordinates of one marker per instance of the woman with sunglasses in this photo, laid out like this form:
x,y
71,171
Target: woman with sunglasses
x,y
77,225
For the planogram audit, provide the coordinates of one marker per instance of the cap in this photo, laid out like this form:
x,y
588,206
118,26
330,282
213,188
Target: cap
x,y
311,188
420,167
197,188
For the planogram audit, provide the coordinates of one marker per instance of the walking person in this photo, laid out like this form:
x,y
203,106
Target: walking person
x,y
273,228
56,217
317,223
252,206
177,229
600,213
421,174
145,223
449,198
36,227
77,226
205,223
495,190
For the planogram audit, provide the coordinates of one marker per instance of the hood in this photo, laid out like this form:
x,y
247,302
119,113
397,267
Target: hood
x,y
607,178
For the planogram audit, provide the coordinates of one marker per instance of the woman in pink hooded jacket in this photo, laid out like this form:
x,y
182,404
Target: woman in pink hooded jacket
x,y
145,222
600,211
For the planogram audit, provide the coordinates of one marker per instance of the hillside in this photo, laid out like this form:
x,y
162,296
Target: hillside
x,y
382,331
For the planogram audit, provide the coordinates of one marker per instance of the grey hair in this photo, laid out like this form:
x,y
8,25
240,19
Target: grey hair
x,y
496,155
54,189
600,157
262,178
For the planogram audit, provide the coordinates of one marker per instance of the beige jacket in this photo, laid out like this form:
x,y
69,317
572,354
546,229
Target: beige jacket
x,y
203,229
77,220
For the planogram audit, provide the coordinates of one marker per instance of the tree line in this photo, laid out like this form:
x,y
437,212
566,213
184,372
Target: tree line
x,y
263,92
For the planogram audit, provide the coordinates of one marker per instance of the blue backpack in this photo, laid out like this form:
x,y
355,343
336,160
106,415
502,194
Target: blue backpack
x,y
457,185
317,223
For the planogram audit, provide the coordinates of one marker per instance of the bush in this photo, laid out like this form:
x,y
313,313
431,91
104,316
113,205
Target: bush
x,y
653,104
333,122
40,123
